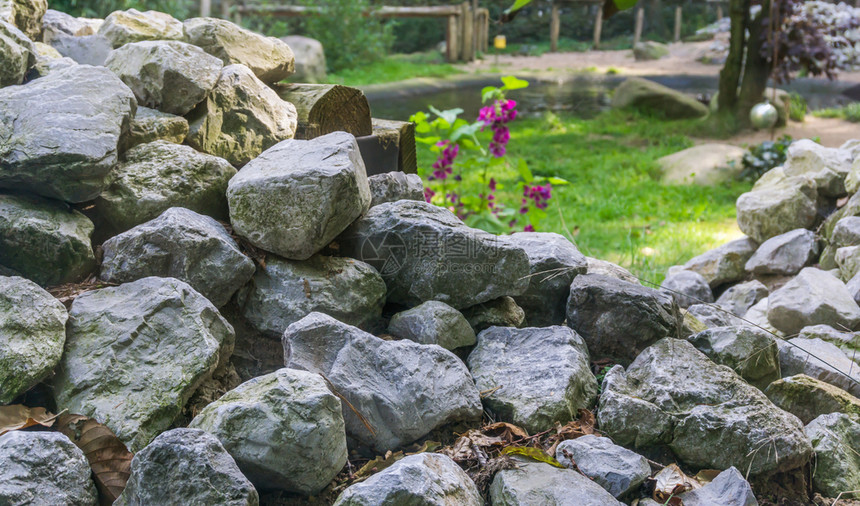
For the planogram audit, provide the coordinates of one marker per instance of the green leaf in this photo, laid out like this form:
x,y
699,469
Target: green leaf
x,y
518,4
525,172
418,117
623,5
432,140
532,453
465,130
512,83
450,116
557,181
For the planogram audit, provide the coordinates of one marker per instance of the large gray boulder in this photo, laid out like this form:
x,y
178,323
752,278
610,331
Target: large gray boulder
x,y
598,266
54,22
674,395
532,483
705,164
785,254
729,488
270,59
25,14
688,288
423,252
288,290
151,125
749,351
847,341
711,315
284,429
310,59
394,186
136,352
297,196
511,364
170,76
724,264
433,322
186,466
123,27
44,468
425,479
159,175
403,390
615,468
241,118
808,398
501,312
32,334
649,50
835,439
17,54
45,240
828,167
779,207
739,298
820,360
62,132
645,95
179,244
619,319
87,50
813,297
553,263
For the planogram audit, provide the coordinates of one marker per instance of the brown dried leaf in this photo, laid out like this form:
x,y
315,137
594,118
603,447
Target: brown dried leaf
x,y
17,417
508,432
670,482
706,476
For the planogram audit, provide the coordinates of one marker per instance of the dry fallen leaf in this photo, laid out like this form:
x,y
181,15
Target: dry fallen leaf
x,y
670,482
17,417
506,431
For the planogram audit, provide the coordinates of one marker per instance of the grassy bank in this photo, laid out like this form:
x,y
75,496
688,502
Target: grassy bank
x,y
396,67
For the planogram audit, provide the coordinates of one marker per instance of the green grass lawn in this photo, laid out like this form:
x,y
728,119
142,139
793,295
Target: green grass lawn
x,y
616,208
396,67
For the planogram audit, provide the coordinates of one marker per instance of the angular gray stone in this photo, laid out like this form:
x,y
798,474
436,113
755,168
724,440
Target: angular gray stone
x,y
44,468
757,317
785,254
673,395
712,316
724,264
310,59
849,342
808,398
170,76
619,319
749,351
54,22
777,208
179,244
32,334
47,64
729,488
649,50
159,175
136,352
86,50
288,290
597,266
186,466
25,14
616,469
297,196
533,483
423,252
642,94
708,164
501,312
284,429
270,59
404,390
45,240
394,186
828,167
553,263
739,298
433,322
813,297
123,27
17,54
820,360
846,232
150,125
835,438
511,363
687,288
848,261
43,154
425,479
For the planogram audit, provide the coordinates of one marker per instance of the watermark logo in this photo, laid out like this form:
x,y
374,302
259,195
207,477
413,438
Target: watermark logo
x,y
387,253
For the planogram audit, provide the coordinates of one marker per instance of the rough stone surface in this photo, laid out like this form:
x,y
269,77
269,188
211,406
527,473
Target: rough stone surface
x,y
394,186
512,364
848,261
423,252
619,319
649,50
820,360
159,175
170,76
44,468
757,316
777,208
729,488
849,342
706,164
17,54
288,290
270,59
637,93
813,297
597,266
86,50
296,197
42,154
150,125
687,288
310,59
749,351
284,429
123,27
32,333
674,395
501,312
54,22
136,352
403,389
724,264
25,14
712,316
179,244
739,298
538,483
785,254
835,438
433,322
186,466
45,240
616,469
808,398
241,118
417,480
828,167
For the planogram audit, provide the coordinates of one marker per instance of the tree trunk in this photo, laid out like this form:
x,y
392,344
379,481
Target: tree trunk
x,y
756,69
327,108
730,76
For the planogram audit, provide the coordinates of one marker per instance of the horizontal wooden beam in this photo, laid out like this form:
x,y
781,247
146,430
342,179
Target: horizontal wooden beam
x,y
438,11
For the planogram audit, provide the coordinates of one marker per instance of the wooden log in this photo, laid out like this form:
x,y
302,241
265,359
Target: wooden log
x,y
466,38
677,33
719,11
379,152
485,38
598,27
326,108
402,132
554,28
452,39
637,30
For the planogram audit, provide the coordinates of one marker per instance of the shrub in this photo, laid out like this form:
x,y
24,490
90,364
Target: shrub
x,y
797,107
852,112
763,157
180,9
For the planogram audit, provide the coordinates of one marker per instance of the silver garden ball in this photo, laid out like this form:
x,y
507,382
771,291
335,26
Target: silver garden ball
x,y
763,115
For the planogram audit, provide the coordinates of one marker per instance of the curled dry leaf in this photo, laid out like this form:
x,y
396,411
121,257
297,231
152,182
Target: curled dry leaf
x,y
534,454
670,482
18,416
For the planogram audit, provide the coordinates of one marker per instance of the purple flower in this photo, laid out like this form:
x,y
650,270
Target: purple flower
x,y
529,228
492,184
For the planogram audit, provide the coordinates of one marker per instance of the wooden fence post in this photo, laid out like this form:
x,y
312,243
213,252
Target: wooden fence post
x,y
637,30
225,9
466,38
677,23
554,28
719,11
205,8
452,34
598,26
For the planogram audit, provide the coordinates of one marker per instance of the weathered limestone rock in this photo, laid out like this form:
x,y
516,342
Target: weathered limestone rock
x,y
847,341
186,466
539,483
284,429
511,363
706,164
394,186
310,59
44,467
808,398
637,93
423,252
25,14
739,298
835,438
712,316
17,54
729,488
45,240
597,266
87,50
270,59
813,297
32,333
150,125
403,389
55,22
649,50
433,322
179,244
288,290
749,351
42,153
416,480
785,254
724,264
123,27
619,319
501,312
820,360
170,76
616,469
296,197
687,288
757,316
159,175
778,208
828,167
136,352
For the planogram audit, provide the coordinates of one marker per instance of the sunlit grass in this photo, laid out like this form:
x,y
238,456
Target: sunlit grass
x,y
396,67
